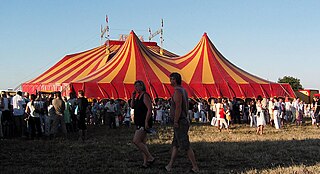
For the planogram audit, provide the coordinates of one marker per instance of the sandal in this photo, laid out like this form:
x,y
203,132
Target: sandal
x,y
144,166
151,162
167,169
194,171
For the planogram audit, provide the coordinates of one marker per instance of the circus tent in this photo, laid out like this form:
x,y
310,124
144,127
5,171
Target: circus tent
x,y
206,73
77,66
209,74
134,61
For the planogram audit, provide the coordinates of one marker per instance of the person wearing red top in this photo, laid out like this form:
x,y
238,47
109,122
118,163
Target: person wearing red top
x,y
221,112
222,118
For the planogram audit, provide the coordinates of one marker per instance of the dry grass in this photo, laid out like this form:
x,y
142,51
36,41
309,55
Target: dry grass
x,y
290,150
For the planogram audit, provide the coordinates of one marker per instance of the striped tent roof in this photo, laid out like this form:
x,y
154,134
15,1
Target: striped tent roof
x,y
206,73
209,74
134,61
77,66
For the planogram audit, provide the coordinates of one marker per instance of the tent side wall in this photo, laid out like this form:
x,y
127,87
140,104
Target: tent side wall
x,y
33,88
122,91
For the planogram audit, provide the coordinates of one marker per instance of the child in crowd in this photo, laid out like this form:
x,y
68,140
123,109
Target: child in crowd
x,y
222,119
228,116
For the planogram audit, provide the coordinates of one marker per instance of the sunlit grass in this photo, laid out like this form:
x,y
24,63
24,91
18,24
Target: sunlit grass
x,y
289,150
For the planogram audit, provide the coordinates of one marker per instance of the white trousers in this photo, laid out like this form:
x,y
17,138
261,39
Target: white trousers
x,y
276,119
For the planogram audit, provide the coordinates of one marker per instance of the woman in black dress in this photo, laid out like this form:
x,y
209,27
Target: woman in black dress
x,y
142,106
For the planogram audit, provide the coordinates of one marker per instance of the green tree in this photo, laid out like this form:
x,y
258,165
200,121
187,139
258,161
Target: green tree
x,y
294,82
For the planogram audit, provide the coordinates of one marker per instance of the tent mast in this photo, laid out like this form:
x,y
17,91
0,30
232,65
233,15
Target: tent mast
x,y
105,31
159,31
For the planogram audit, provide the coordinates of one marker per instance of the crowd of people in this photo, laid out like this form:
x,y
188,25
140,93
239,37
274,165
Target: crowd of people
x,y
50,115
42,115
255,112
261,111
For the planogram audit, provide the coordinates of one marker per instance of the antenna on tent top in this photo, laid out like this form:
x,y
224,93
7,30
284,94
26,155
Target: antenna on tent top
x,y
105,31
159,31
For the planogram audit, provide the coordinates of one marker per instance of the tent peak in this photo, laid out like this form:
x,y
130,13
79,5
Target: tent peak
x,y
205,34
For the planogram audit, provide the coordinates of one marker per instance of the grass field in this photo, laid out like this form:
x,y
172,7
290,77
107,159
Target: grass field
x,y
290,150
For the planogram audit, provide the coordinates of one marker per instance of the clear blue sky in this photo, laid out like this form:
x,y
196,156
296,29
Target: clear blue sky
x,y
270,38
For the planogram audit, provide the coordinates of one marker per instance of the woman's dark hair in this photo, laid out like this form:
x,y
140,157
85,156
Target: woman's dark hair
x,y
81,92
58,93
72,94
140,82
50,101
19,93
33,97
177,77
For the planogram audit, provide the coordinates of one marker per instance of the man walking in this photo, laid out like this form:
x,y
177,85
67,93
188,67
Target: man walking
x,y
179,112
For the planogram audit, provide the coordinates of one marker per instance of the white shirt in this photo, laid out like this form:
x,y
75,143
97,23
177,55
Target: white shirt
x,y
271,106
299,107
296,105
159,109
17,103
288,106
259,107
111,107
276,106
32,108
217,109
312,114
200,106
51,111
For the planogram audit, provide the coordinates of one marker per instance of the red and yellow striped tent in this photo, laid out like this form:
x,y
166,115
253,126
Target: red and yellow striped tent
x,y
209,74
206,73
134,61
77,66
